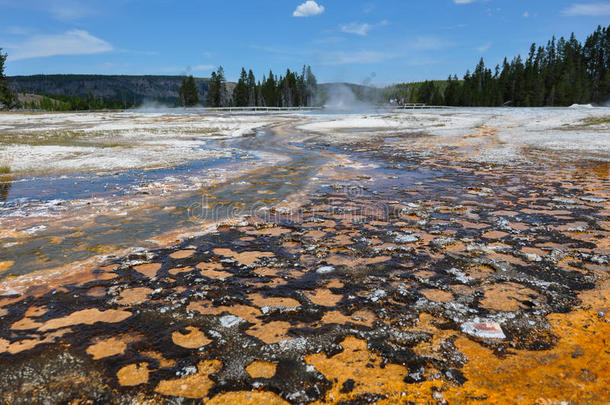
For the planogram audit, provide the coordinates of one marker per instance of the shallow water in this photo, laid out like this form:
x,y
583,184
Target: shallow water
x,y
80,216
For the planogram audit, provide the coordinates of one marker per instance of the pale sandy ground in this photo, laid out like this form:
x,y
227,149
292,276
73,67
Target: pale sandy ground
x,y
555,129
81,142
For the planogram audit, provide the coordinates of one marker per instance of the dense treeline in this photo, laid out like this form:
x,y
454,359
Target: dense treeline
x,y
291,90
562,73
73,103
6,96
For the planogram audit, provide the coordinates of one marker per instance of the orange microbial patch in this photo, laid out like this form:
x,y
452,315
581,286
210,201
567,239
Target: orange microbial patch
x,y
180,270
163,362
507,296
194,386
437,295
323,297
245,258
495,234
335,284
292,247
261,369
364,368
480,272
424,274
193,339
134,296
340,260
36,311
273,231
87,317
266,271
26,324
272,332
243,311
6,265
96,292
315,234
213,270
133,374
21,345
149,270
247,398
182,254
342,240
261,301
363,317
534,251
107,348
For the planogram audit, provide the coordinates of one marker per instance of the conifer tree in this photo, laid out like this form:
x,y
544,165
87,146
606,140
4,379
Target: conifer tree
x,y
211,95
251,89
240,92
6,96
188,94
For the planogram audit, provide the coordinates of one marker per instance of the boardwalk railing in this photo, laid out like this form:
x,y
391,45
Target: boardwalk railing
x,y
415,106
245,109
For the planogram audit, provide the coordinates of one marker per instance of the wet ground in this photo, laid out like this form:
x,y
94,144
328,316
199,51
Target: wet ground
x,y
389,268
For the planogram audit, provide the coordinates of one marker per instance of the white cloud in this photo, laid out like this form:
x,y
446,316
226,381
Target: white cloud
x,y
74,42
426,43
356,28
356,57
588,9
68,9
64,10
308,9
484,48
526,14
360,28
463,1
18,30
203,68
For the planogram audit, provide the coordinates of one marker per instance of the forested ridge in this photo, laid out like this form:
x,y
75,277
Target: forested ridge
x,y
561,73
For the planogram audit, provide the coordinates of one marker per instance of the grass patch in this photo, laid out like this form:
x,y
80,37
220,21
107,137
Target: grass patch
x,y
587,123
5,169
596,120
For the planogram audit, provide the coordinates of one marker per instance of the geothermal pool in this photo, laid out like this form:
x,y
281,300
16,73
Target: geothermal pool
x,y
430,255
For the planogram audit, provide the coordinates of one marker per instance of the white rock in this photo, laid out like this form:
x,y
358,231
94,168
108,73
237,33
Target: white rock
x,y
228,321
325,270
484,329
406,238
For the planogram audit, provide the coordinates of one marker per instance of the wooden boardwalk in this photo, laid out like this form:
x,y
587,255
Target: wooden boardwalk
x,y
416,106
259,108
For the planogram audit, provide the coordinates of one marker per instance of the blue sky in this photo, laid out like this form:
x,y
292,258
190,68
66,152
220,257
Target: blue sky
x,y
358,41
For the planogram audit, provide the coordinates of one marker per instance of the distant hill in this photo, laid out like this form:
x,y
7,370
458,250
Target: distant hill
x,y
133,89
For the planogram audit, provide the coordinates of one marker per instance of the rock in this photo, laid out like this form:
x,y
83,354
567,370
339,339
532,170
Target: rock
x,y
228,321
486,329
442,242
325,270
459,275
378,295
405,238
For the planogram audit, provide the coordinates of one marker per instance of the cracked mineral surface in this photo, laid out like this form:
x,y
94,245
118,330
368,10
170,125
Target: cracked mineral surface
x,y
383,261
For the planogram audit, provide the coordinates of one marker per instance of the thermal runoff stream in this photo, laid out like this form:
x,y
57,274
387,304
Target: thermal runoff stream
x,y
393,256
